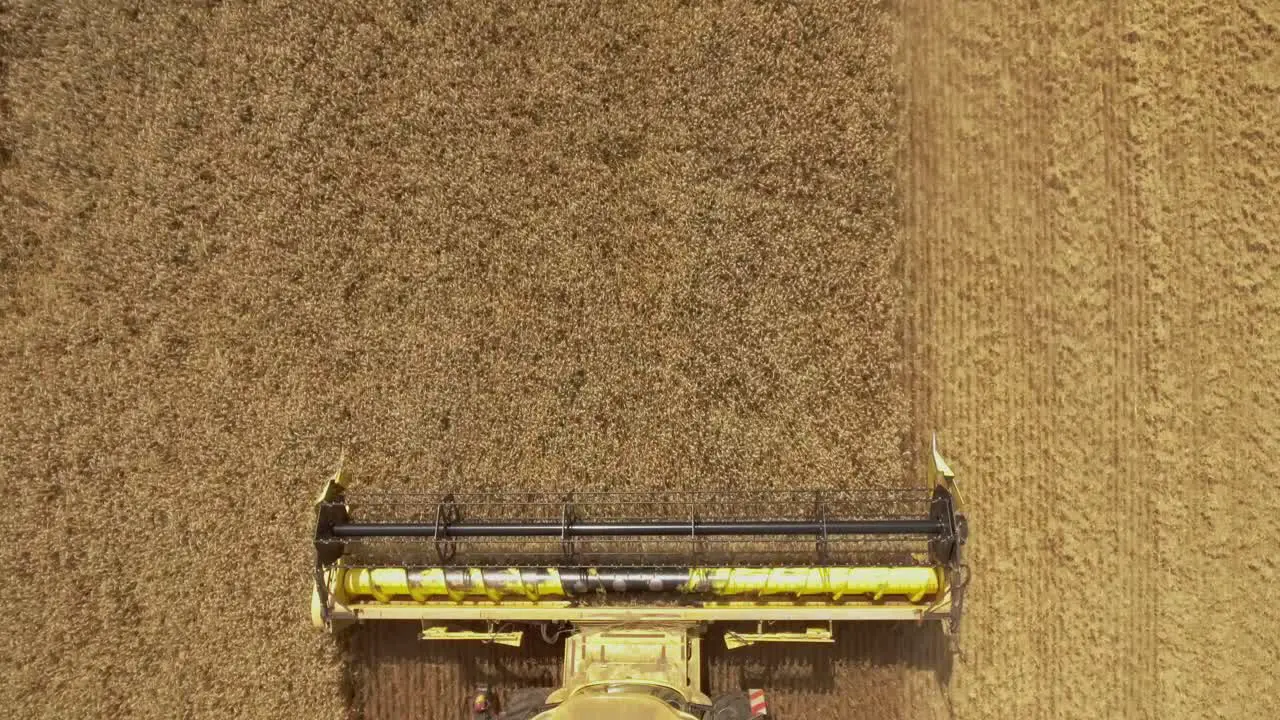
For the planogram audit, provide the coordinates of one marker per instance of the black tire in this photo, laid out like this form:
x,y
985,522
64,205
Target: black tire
x,y
731,706
523,703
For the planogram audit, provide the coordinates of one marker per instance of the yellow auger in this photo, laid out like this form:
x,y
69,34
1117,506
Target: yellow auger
x,y
420,585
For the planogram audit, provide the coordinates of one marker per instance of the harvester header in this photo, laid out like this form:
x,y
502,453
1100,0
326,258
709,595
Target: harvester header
x,y
822,554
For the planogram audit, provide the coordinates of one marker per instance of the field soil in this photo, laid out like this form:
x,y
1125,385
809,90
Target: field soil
x,y
698,245
1095,277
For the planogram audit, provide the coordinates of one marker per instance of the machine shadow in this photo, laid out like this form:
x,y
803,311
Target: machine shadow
x,y
813,667
382,659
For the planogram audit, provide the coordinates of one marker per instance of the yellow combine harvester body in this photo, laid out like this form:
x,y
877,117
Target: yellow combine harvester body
x,y
635,649
629,672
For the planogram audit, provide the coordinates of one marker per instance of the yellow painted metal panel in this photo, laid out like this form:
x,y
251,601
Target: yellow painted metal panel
x,y
423,585
706,612
513,638
383,584
914,583
734,640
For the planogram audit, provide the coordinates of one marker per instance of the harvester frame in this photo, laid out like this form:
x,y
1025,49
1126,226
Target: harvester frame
x,y
640,591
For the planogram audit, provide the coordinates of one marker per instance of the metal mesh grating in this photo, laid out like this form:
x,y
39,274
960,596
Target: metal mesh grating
x,y
814,506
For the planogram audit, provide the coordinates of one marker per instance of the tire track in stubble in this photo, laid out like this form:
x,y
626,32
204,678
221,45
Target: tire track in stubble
x,y
993,401
1102,361
1067,427
922,169
1083,518
1182,381
934,133
1194,317
977,287
1127,309
1037,104
1010,274
962,324
1040,287
1129,388
918,35
924,254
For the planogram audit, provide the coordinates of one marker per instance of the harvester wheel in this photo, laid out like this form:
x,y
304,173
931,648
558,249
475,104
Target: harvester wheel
x,y
482,707
523,703
731,706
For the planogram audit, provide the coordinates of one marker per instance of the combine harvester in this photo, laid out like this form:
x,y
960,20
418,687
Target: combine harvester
x,y
632,581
